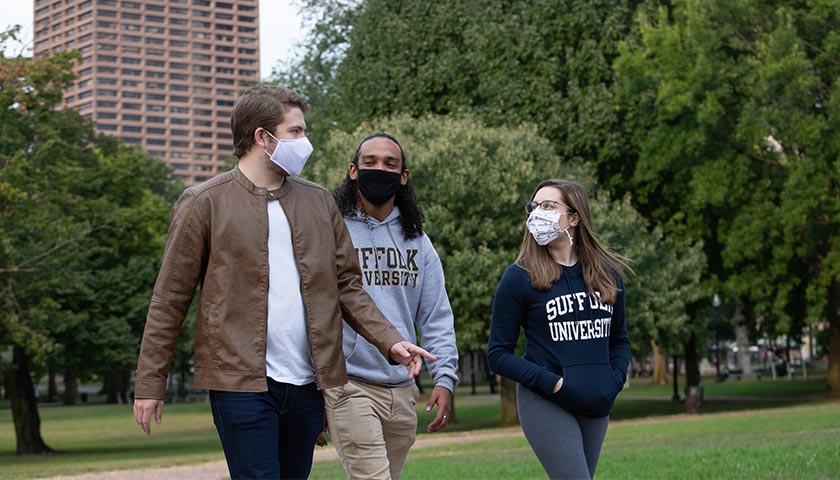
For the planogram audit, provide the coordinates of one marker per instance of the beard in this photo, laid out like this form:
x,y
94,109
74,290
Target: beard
x,y
276,169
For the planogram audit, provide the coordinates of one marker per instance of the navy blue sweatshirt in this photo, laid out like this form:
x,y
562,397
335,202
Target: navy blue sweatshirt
x,y
568,334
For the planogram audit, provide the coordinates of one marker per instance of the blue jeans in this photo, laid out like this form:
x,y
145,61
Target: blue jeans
x,y
269,434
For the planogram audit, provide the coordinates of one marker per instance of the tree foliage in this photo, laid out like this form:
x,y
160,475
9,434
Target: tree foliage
x,y
732,107
472,182
82,220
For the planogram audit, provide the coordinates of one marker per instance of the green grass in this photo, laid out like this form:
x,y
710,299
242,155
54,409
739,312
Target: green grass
x,y
95,438
790,443
99,438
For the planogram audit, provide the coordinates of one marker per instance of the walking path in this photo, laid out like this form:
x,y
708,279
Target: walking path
x,y
218,470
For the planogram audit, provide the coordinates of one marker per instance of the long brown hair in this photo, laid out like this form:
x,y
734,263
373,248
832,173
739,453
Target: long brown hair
x,y
598,263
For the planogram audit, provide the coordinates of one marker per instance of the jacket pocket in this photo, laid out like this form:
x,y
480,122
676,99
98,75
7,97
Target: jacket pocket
x,y
333,394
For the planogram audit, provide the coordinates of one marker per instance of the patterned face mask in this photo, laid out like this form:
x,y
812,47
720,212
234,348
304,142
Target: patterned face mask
x,y
545,227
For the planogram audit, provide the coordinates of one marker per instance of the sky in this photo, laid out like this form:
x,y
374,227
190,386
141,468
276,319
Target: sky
x,y
281,30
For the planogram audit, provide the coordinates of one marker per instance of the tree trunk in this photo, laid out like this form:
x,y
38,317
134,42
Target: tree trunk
x,y
52,394
743,341
509,414
71,387
833,317
24,407
692,366
693,390
116,387
660,366
453,416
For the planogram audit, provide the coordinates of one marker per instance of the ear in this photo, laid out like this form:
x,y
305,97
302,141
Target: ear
x,y
574,219
404,176
258,138
353,171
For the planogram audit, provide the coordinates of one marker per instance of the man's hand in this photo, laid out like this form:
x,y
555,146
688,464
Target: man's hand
x,y
321,441
442,397
144,408
408,355
558,385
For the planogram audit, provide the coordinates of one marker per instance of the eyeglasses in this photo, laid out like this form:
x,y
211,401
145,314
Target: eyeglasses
x,y
549,205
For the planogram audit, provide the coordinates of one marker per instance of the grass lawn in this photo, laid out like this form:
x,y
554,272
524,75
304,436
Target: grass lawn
x,y
789,443
95,438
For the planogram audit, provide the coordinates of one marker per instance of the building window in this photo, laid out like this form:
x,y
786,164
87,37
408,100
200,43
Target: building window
x,y
132,117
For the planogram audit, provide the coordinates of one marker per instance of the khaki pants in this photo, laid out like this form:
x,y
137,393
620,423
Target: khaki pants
x,y
372,427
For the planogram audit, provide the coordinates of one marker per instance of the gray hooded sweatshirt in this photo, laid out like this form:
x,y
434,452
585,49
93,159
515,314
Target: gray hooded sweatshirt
x,y
405,279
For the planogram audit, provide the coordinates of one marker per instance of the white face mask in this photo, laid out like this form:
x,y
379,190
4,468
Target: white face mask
x,y
545,227
291,155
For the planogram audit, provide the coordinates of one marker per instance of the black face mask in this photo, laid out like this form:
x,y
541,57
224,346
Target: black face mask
x,y
378,186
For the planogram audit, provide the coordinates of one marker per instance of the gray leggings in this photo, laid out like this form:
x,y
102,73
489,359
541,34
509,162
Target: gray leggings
x,y
567,445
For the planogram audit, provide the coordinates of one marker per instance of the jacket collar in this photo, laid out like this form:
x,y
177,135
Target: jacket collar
x,y
261,191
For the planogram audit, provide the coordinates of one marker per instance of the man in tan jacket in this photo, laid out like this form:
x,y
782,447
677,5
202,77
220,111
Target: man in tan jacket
x,y
277,273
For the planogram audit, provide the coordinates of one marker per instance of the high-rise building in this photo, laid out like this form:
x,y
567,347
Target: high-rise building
x,y
161,74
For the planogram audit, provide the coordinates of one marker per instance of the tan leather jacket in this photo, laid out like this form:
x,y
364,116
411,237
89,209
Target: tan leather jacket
x,y
217,239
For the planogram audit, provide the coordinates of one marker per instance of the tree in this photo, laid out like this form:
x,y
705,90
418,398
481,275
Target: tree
x,y
75,212
735,143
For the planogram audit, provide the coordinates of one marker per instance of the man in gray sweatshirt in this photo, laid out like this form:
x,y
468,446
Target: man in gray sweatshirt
x,y
372,422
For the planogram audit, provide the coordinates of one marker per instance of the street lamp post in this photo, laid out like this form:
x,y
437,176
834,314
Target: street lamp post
x,y
715,307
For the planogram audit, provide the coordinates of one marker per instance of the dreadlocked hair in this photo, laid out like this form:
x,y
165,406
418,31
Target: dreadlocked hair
x,y
411,216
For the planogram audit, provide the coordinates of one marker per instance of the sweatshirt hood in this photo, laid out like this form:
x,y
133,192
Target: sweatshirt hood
x,y
392,218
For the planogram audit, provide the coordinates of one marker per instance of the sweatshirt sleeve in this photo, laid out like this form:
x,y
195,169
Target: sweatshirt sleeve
x,y
509,307
619,339
358,309
184,258
436,322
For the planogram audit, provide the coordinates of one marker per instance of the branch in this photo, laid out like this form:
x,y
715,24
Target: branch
x,y
37,258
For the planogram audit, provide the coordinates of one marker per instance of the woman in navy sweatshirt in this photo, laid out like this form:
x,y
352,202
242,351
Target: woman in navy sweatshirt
x,y
566,292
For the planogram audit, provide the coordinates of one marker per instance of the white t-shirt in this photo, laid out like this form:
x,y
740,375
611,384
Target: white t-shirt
x,y
287,345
